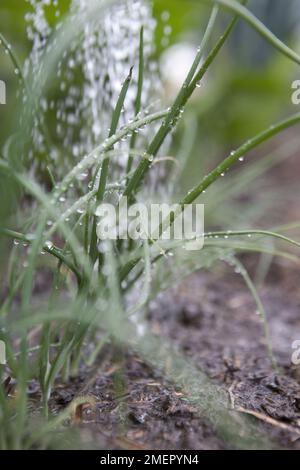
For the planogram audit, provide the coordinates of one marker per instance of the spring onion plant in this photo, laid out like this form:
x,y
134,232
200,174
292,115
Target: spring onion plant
x,y
92,298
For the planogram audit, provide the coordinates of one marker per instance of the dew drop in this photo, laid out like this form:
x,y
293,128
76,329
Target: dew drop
x,y
49,244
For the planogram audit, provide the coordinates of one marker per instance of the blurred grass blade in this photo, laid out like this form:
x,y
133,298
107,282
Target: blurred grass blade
x,y
13,56
253,21
240,269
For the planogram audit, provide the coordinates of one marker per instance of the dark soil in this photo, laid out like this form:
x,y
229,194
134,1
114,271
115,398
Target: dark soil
x,y
212,318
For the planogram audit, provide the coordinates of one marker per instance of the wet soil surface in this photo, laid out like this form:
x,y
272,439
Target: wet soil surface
x,y
212,319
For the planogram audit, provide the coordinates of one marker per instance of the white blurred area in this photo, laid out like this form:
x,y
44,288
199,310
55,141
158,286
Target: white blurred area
x,y
175,63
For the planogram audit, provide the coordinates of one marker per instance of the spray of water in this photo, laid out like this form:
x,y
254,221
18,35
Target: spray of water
x,y
88,80
91,72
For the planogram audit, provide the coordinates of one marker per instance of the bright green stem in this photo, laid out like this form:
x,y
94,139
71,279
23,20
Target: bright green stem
x,y
53,250
249,233
221,169
105,165
138,101
173,114
89,160
234,157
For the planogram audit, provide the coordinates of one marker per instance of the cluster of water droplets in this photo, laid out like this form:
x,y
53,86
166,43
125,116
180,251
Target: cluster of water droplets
x,y
90,74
